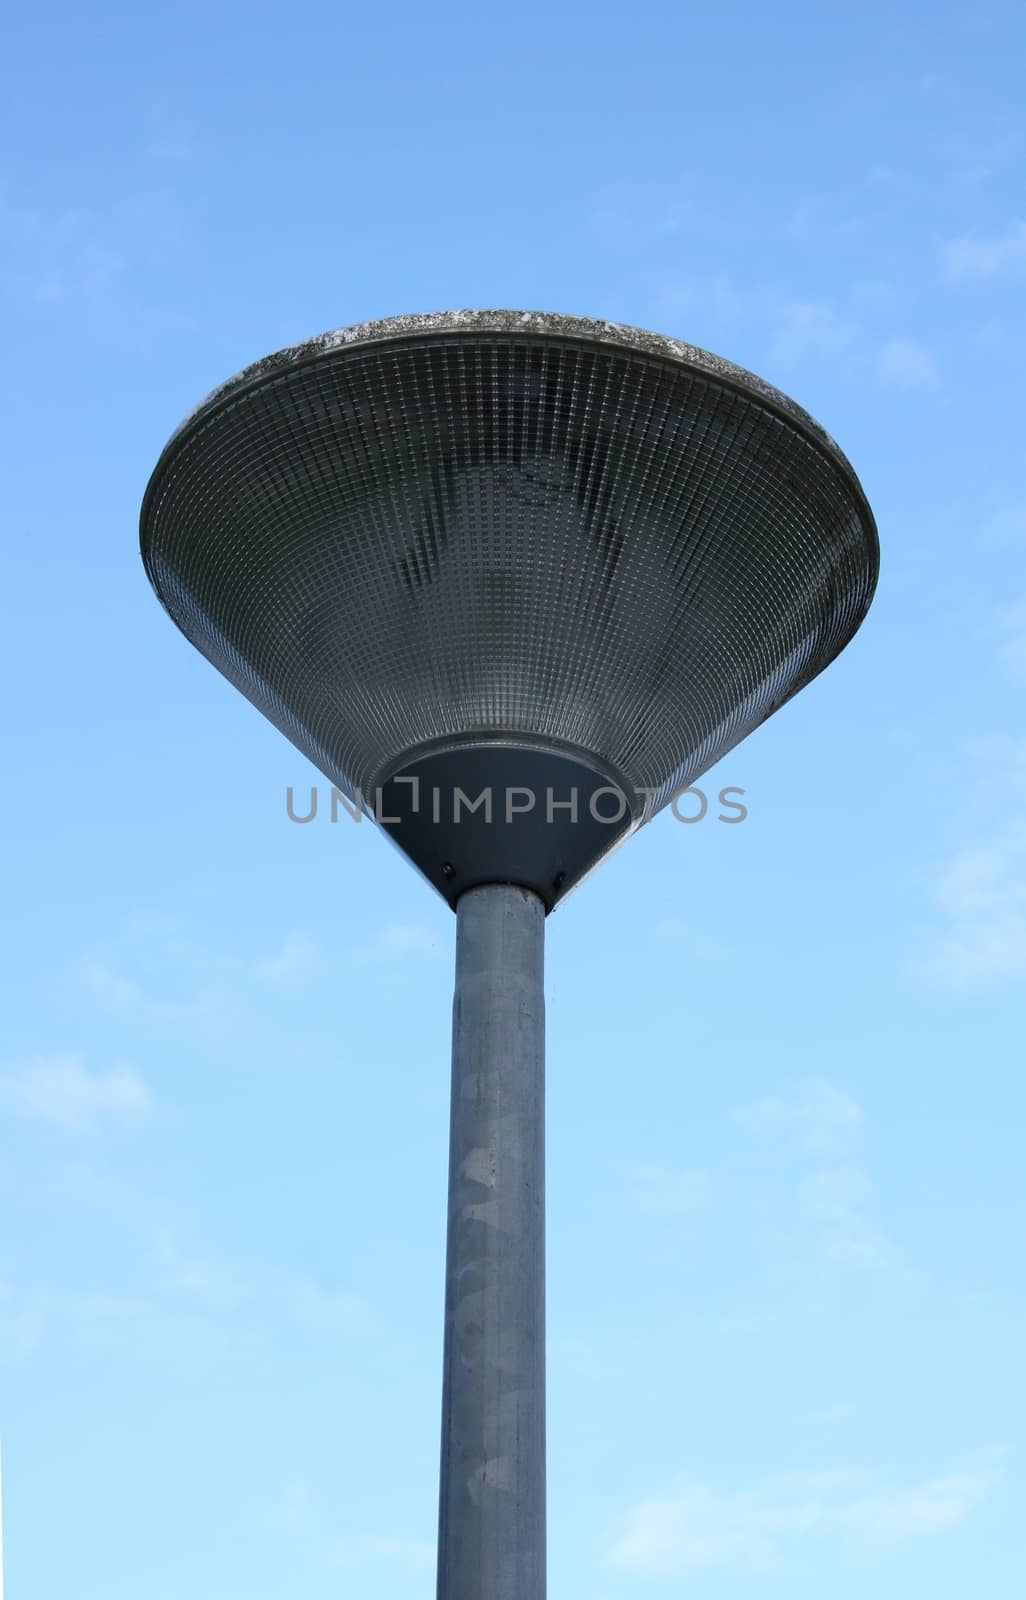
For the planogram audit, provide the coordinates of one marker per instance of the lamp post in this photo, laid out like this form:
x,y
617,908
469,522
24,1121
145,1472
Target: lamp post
x,y
512,581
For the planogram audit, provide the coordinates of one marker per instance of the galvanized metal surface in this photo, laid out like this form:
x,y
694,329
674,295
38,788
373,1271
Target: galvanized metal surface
x,y
491,1543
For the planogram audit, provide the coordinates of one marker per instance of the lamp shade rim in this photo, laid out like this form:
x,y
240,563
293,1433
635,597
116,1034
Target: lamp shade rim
x,y
471,323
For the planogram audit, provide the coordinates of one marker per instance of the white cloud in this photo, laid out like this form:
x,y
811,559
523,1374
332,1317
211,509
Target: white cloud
x,y
830,1215
886,176
214,1010
1013,648
297,960
837,1201
798,329
60,1090
906,362
320,1308
220,1287
674,931
816,1115
587,1359
994,338
153,974
977,883
399,939
980,890
697,1528
973,159
60,258
982,893
662,1192
713,301
933,1507
189,1307
998,761
418,1555
303,1513
809,225
31,1317
408,936
870,293
1005,525
809,328
834,1193
114,989
187,1310
173,138
827,1416
633,214
969,257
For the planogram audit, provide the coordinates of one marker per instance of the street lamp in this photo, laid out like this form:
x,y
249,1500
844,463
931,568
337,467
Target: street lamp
x,y
512,581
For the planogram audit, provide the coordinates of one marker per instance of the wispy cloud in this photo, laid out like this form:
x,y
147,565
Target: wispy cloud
x,y
1005,525
980,889
998,761
869,294
797,330
981,892
154,975
296,960
59,259
815,1115
301,1511
838,1203
186,1307
631,215
696,1527
811,224
398,939
710,301
30,1318
827,1416
807,328
1012,624
970,257
881,175
220,1288
906,362
975,158
682,936
588,1359
61,1091
216,1009
88,266
665,1192
172,137
416,1555
830,1215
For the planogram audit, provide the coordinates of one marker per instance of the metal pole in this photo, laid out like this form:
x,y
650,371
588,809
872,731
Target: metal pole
x,y
491,1539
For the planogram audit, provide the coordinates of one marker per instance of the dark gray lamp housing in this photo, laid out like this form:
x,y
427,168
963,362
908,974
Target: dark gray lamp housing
x,y
500,549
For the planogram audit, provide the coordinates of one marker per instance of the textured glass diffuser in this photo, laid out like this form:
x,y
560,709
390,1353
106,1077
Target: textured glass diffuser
x,y
509,530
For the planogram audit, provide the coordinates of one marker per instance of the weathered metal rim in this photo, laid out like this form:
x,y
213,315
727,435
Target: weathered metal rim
x,y
553,324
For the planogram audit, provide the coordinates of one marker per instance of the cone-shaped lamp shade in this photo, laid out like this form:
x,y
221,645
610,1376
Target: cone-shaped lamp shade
x,y
509,549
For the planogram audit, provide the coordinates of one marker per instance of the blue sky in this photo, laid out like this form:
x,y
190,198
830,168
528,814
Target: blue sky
x,y
786,1102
